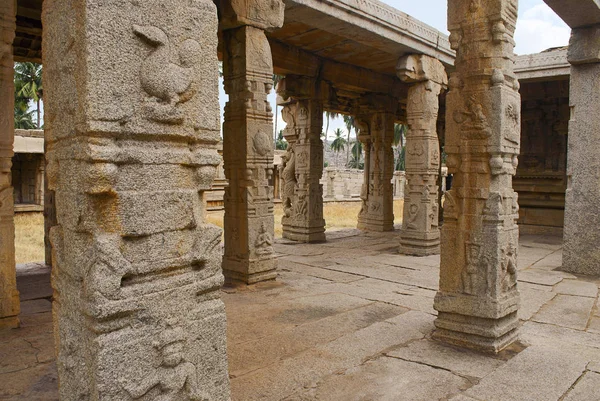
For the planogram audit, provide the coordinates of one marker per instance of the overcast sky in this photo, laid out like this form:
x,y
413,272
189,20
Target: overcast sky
x,y
538,28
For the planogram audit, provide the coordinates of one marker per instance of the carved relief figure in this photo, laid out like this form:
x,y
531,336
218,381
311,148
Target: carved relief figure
x,y
168,83
412,216
469,275
473,119
289,180
175,377
509,267
264,242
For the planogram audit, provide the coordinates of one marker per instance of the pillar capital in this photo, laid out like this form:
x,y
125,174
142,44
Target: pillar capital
x,y
263,14
584,45
419,67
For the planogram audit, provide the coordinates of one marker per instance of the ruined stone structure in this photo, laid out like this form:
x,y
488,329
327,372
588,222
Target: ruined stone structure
x,y
9,296
247,139
130,151
420,232
28,167
477,300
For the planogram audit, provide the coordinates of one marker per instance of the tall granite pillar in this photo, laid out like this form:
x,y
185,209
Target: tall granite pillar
x,y
478,299
9,296
420,233
131,150
377,192
303,163
581,251
248,140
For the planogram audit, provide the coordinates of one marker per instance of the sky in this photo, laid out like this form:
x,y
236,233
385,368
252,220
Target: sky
x,y
538,29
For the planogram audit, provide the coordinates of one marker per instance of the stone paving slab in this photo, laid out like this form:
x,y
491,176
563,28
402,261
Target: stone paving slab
x,y
577,287
543,277
566,311
586,389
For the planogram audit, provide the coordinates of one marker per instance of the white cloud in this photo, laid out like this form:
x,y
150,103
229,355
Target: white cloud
x,y
539,28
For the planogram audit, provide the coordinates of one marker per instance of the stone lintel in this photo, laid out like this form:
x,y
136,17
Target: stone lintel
x,y
584,45
578,13
262,14
419,67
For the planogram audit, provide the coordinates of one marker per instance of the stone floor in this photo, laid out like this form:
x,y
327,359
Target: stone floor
x,y
351,319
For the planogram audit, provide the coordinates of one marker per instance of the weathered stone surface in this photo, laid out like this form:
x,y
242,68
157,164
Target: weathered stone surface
x,y
578,288
566,311
539,373
9,296
375,123
478,298
420,232
586,388
581,252
131,149
532,300
303,162
458,361
541,277
248,156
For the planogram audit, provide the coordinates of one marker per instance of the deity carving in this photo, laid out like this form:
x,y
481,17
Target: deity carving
x,y
289,180
474,121
413,210
167,83
509,267
175,377
470,274
264,242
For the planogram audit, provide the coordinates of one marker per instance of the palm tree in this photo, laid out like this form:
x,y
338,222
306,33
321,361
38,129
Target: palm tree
x,y
356,160
329,115
23,118
28,77
339,143
349,121
276,79
399,151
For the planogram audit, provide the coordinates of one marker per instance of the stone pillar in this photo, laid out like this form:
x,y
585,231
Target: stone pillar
x,y
303,167
9,296
377,192
420,234
581,252
247,140
478,299
131,150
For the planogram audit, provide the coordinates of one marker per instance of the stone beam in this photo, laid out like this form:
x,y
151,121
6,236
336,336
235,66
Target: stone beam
x,y
542,66
248,142
578,13
131,150
291,60
420,233
477,301
9,296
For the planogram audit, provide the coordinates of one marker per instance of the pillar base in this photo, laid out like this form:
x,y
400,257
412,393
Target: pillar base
x,y
249,271
479,334
11,322
375,225
302,234
420,244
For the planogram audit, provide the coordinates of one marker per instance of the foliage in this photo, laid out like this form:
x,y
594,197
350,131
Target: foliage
x,y
23,118
400,163
399,147
329,115
281,143
28,87
356,161
349,121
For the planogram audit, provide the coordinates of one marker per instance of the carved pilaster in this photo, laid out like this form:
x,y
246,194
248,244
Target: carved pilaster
x,y
248,146
478,298
376,125
131,150
303,162
9,296
420,233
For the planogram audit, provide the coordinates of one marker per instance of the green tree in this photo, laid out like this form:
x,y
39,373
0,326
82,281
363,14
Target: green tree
x,y
329,115
23,118
276,79
28,85
399,149
356,161
339,143
281,143
349,121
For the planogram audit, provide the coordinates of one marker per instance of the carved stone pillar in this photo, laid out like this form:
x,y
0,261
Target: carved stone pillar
x,y
9,296
420,233
303,167
247,140
478,298
377,192
581,234
131,150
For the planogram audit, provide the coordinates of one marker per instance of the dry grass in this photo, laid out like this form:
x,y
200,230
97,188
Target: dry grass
x,y
29,227
337,215
29,237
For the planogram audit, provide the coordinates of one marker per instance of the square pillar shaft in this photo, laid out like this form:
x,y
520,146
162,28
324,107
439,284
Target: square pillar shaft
x,y
303,163
420,233
131,150
581,253
248,156
478,299
9,296
377,192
